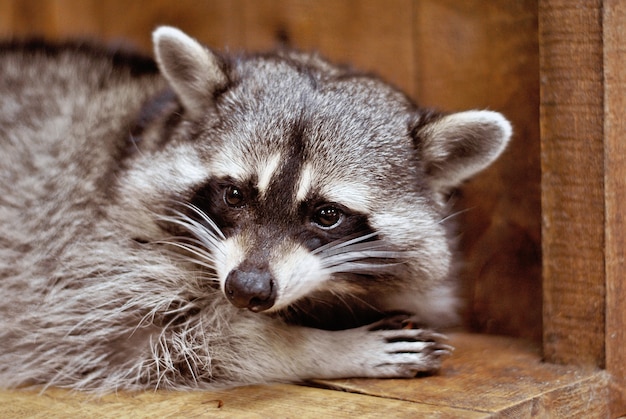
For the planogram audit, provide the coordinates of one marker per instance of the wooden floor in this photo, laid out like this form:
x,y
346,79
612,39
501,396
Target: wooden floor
x,y
487,376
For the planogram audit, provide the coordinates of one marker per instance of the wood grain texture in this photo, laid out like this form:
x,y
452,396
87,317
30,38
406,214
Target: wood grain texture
x,y
499,376
363,33
614,39
572,153
280,401
477,54
6,18
486,377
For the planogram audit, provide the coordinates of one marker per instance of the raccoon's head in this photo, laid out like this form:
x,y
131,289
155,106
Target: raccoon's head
x,y
301,179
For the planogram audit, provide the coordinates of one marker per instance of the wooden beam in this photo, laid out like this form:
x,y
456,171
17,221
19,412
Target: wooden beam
x,y
572,159
614,30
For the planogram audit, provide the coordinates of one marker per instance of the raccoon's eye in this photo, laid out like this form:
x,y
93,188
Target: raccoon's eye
x,y
233,197
328,217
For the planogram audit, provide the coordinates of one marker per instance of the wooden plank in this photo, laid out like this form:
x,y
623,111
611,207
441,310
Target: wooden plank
x,y
572,153
484,54
614,30
6,18
28,17
72,19
498,375
216,23
368,34
280,401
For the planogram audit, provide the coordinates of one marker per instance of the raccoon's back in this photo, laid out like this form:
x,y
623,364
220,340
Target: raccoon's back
x,y
55,96
65,114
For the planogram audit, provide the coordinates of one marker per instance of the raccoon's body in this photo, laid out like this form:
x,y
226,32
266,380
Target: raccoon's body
x,y
221,220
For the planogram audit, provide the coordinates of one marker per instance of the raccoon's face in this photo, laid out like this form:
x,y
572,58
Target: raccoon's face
x,y
301,178
273,251
293,186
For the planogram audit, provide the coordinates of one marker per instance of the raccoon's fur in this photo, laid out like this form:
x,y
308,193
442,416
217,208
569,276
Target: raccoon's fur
x,y
217,220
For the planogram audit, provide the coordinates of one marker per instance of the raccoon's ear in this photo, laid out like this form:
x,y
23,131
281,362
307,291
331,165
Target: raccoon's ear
x,y
194,72
455,147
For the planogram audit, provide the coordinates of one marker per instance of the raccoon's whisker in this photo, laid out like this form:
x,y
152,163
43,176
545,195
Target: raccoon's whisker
x,y
199,252
361,252
199,231
344,243
200,263
350,265
195,243
202,275
184,220
186,242
453,215
204,217
343,301
201,259
366,253
361,258
362,267
134,141
366,303
360,248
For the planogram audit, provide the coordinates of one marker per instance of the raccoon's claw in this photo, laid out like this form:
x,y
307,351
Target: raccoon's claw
x,y
419,343
389,348
407,349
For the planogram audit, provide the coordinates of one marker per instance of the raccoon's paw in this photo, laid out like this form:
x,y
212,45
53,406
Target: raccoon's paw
x,y
400,349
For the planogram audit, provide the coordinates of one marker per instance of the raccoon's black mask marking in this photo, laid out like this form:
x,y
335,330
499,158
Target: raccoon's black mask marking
x,y
275,218
274,212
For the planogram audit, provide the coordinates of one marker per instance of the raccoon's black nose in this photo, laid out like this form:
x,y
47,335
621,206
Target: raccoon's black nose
x,y
253,289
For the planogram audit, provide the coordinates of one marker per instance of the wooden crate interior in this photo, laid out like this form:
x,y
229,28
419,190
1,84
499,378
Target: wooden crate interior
x,y
541,231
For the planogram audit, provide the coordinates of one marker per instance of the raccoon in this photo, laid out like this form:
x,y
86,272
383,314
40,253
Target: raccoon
x,y
207,220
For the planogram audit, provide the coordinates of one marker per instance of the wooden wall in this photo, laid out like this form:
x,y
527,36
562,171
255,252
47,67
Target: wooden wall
x,y
583,156
448,54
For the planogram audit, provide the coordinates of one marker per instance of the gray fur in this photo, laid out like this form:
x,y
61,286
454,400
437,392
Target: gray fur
x,y
113,274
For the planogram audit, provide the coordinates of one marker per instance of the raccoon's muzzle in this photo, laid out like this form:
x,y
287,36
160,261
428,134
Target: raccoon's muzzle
x,y
252,289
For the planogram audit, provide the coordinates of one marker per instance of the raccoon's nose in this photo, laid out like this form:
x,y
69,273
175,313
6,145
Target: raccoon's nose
x,y
252,289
